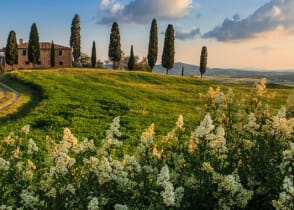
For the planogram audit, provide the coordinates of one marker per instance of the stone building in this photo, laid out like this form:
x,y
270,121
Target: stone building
x,y
63,56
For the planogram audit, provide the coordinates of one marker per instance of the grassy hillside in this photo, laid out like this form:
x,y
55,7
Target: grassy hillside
x,y
86,101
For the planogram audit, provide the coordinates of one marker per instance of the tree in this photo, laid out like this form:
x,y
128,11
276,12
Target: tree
x,y
183,69
153,45
11,50
114,51
169,49
34,46
131,63
203,61
75,38
52,54
93,55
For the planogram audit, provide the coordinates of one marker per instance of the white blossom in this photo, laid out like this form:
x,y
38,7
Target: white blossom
x,y
205,127
32,147
4,165
93,204
26,129
120,207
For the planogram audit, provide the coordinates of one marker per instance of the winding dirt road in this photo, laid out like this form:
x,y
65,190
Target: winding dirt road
x,y
16,96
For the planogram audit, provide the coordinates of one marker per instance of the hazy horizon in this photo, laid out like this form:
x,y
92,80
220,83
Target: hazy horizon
x,y
251,34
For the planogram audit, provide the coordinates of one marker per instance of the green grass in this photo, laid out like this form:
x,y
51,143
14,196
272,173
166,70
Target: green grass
x,y
86,101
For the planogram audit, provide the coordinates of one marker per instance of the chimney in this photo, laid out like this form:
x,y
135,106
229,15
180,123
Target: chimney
x,y
20,41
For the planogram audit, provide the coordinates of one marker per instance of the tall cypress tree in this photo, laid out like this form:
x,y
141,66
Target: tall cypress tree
x,y
203,61
93,55
52,55
34,45
153,45
131,63
168,54
114,50
11,50
75,38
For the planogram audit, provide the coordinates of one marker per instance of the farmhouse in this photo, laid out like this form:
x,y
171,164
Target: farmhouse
x,y
63,56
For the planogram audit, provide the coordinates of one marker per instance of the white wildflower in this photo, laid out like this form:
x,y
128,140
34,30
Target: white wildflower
x,y
113,132
104,171
206,126
16,153
4,165
4,207
120,207
63,162
26,129
69,140
179,194
32,147
29,200
70,188
163,176
180,122
251,125
286,197
132,165
168,194
93,204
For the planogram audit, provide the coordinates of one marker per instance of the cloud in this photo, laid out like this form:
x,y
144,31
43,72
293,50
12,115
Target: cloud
x,y
143,11
274,15
184,35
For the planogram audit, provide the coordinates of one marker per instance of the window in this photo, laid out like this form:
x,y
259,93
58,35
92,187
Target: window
x,y
24,53
27,62
39,62
61,63
60,52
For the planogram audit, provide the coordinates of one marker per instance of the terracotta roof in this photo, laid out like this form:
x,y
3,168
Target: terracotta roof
x,y
43,45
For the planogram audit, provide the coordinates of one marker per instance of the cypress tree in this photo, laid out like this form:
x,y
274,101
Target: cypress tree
x,y
93,55
203,61
34,45
52,55
183,69
169,49
131,63
153,45
114,50
75,38
11,50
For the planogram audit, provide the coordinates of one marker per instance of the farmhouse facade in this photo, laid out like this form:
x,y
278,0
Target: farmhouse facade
x,y
63,56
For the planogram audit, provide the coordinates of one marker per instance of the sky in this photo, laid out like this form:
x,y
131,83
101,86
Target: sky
x,y
247,34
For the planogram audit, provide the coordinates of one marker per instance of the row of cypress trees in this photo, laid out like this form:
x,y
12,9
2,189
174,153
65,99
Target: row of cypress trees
x,y
114,51
168,54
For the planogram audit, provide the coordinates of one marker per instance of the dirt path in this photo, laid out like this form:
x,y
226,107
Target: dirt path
x,y
16,96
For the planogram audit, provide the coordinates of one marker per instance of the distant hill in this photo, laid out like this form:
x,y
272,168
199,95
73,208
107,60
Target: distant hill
x,y
193,70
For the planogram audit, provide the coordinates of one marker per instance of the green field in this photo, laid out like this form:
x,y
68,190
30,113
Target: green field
x,y
86,101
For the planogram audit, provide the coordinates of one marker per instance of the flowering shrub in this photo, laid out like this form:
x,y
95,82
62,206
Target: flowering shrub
x,y
239,157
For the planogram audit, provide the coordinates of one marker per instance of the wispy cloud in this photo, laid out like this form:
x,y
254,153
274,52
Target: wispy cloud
x,y
143,11
185,35
274,15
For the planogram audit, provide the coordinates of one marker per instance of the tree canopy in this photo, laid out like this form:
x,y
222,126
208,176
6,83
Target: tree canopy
x,y
93,55
169,49
203,61
114,50
34,45
52,54
11,50
75,38
131,63
153,45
